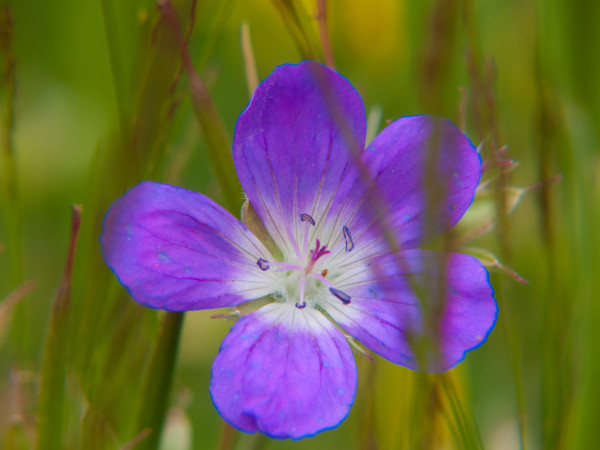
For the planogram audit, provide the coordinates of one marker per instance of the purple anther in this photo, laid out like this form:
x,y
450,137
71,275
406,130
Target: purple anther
x,y
307,218
348,238
263,264
302,306
345,298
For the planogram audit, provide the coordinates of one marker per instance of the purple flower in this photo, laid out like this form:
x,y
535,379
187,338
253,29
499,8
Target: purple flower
x,y
347,225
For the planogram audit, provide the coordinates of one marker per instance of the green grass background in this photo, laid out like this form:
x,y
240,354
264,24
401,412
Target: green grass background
x,y
94,100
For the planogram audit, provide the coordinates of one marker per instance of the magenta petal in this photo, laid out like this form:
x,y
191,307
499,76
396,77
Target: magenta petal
x,y
285,372
425,172
385,311
293,147
178,250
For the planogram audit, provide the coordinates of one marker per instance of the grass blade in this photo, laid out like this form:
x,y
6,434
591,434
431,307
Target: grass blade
x,y
158,385
217,142
298,23
51,408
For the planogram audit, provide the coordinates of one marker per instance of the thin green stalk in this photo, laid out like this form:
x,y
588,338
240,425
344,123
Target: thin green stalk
x,y
483,113
217,142
556,309
111,31
256,441
216,27
20,333
585,434
8,302
156,391
464,420
456,420
298,23
228,435
248,55
513,340
373,122
367,430
324,33
9,169
51,407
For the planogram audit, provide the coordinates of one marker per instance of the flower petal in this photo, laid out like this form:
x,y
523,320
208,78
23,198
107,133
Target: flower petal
x,y
422,177
285,372
386,313
292,147
178,250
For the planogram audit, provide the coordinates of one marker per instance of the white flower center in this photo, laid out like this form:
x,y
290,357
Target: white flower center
x,y
305,282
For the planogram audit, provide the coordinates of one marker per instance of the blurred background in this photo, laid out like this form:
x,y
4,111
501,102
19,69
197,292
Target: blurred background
x,y
96,96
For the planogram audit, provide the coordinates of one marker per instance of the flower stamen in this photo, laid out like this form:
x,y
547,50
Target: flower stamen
x,y
309,220
302,304
285,266
263,264
348,238
322,279
348,243
345,298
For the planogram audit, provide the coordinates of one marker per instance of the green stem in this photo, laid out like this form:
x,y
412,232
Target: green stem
x,y
51,406
9,170
20,335
215,29
484,115
116,60
248,55
158,385
324,33
228,435
217,142
297,22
